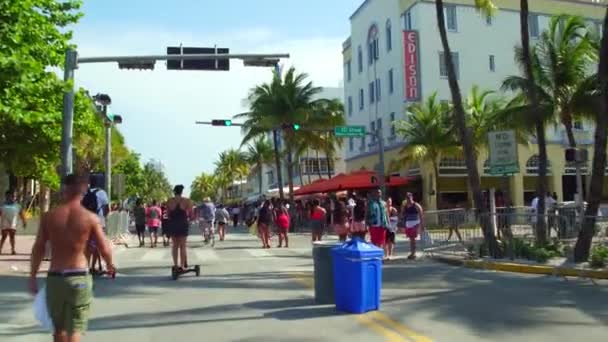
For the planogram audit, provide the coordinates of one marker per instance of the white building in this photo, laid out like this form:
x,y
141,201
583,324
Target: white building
x,y
378,90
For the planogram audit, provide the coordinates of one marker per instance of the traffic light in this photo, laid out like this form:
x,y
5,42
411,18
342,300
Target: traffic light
x,y
221,122
293,127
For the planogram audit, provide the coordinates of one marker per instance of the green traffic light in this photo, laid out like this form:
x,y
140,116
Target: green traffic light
x,y
296,127
227,122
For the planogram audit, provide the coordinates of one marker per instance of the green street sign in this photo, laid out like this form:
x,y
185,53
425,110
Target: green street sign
x,y
349,131
504,169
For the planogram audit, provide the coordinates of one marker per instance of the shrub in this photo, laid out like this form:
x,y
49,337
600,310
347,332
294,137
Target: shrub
x,y
599,257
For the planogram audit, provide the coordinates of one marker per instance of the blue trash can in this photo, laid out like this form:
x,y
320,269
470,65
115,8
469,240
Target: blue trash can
x,y
357,276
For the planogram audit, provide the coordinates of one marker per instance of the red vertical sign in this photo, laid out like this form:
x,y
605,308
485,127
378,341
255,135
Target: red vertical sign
x,y
412,66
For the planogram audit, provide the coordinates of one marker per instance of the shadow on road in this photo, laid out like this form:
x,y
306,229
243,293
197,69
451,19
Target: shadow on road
x,y
489,301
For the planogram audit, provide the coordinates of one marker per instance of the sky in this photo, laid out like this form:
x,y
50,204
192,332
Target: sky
x,y
159,107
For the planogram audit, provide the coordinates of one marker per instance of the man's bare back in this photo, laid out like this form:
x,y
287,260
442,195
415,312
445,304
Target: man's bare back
x,y
68,228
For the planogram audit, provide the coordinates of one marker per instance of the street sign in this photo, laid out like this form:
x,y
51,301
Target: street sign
x,y
503,153
198,64
349,131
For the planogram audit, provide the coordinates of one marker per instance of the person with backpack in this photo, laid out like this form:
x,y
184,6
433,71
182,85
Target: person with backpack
x,y
206,215
140,220
222,217
153,216
96,200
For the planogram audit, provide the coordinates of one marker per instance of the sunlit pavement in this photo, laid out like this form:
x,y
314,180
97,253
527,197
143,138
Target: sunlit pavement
x,y
246,293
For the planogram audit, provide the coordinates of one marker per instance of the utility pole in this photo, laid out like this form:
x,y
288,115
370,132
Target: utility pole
x,y
108,155
67,129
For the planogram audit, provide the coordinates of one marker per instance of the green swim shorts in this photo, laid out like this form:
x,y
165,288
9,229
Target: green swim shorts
x,y
68,299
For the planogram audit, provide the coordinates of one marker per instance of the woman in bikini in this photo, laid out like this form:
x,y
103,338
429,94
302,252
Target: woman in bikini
x,y
179,210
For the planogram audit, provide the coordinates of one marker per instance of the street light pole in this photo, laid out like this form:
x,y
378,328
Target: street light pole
x,y
108,154
67,131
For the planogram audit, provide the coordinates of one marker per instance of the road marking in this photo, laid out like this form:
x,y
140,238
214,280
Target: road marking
x,y
204,255
259,253
392,330
399,327
374,326
155,255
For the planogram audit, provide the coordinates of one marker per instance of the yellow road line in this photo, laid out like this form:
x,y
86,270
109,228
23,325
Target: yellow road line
x,y
373,319
379,329
399,327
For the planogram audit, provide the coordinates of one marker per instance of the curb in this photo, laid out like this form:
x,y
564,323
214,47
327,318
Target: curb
x,y
527,269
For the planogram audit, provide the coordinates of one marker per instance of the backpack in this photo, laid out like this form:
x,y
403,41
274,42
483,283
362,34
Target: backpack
x,y
153,213
90,201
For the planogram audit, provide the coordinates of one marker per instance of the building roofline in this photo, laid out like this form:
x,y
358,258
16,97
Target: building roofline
x,y
365,2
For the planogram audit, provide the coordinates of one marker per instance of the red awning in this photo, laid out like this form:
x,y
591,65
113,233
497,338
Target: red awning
x,y
310,188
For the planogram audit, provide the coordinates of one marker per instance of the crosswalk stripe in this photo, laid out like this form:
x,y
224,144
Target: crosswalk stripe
x,y
155,255
259,253
206,254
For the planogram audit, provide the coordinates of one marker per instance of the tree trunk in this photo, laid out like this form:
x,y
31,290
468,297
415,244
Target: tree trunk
x,y
300,172
329,160
465,137
260,177
277,160
290,173
319,165
307,170
570,133
436,181
585,236
541,234
45,198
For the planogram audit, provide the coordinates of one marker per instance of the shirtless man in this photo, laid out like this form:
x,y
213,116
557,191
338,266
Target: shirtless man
x,y
69,286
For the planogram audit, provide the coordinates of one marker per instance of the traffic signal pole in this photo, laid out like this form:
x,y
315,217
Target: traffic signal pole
x,y
72,61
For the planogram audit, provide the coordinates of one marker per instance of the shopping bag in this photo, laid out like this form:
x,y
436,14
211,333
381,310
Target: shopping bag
x,y
253,229
41,312
426,239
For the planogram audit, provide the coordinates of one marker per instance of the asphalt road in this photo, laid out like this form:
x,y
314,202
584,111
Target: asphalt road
x,y
249,294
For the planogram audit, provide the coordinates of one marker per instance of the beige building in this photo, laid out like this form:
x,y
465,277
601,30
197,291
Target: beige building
x,y
378,85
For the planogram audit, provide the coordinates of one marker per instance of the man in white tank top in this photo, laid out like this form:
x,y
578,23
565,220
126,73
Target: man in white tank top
x,y
10,211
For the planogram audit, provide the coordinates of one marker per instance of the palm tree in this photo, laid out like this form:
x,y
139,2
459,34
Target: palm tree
x,y
259,154
585,237
286,100
560,63
428,135
488,8
204,185
233,164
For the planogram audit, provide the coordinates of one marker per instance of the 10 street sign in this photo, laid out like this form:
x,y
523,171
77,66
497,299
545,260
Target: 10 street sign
x,y
349,131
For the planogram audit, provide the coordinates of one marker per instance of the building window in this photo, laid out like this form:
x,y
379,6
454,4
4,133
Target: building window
x,y
359,59
532,165
443,69
452,167
492,63
378,92
389,36
351,144
315,166
372,92
361,99
533,25
450,17
372,51
348,71
393,133
391,86
407,20
350,106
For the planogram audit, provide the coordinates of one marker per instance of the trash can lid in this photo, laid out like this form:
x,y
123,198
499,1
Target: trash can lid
x,y
326,244
357,248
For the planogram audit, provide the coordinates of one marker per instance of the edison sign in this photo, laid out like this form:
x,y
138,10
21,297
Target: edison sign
x,y
412,65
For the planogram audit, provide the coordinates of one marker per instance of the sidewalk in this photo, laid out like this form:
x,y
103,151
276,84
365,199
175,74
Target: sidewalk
x,y
19,263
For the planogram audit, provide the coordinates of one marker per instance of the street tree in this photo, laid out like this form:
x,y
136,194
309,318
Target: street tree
x,y
488,8
258,155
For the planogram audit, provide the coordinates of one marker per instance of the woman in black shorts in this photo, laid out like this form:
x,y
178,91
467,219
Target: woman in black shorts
x,y
179,210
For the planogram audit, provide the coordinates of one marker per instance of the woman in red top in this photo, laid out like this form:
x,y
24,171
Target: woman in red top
x,y
153,220
283,225
317,220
